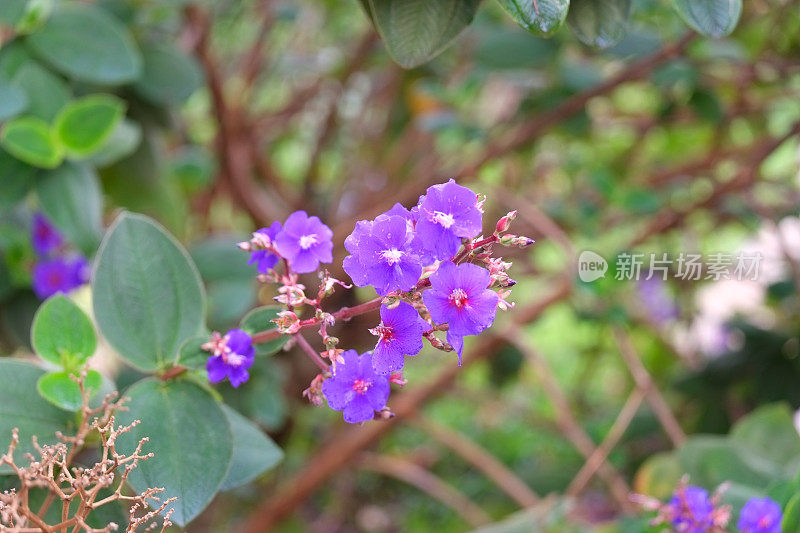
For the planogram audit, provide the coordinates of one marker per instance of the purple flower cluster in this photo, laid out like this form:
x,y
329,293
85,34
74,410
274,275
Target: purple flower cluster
x,y
303,241
356,388
233,354
760,515
399,334
692,510
56,269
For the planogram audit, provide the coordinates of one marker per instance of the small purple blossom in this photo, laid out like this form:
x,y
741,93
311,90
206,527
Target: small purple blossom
x,y
262,258
691,510
448,212
45,238
383,254
459,296
305,242
60,274
356,388
657,301
400,334
233,355
760,515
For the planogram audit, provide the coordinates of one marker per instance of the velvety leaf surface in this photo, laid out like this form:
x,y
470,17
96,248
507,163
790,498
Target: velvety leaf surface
x,y
714,18
542,17
253,452
62,391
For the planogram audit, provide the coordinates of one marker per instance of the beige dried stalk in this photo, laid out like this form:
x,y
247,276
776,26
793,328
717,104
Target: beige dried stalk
x,y
79,489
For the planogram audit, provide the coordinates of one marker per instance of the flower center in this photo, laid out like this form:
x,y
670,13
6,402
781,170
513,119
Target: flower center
x,y
307,241
443,219
233,359
54,278
459,298
361,386
386,333
392,256
765,521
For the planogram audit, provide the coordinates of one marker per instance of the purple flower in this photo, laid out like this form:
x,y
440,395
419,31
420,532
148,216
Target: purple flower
x,y
264,259
400,334
447,213
355,388
459,296
305,242
60,274
233,355
383,255
760,515
691,510
657,301
45,238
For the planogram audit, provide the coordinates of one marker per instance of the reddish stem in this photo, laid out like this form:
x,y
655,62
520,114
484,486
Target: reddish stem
x,y
311,352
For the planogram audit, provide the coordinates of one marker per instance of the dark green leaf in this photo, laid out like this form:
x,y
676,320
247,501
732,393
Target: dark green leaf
x,y
147,293
169,76
190,437
46,92
600,23
87,44
714,18
13,55
13,100
539,16
71,198
712,460
84,125
16,179
62,333
191,354
260,319
262,400
415,31
769,432
11,11
29,139
21,407
123,142
60,389
253,452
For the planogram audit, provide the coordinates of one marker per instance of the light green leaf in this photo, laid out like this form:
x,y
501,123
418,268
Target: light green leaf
x,y
253,452
169,77
87,44
62,333
147,293
21,407
714,18
84,125
712,460
540,16
190,437
415,31
13,100
29,139
124,141
64,392
260,319
71,198
11,11
46,92
600,23
769,432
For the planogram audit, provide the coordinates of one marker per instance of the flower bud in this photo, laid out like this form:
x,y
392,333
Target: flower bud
x,y
505,222
287,322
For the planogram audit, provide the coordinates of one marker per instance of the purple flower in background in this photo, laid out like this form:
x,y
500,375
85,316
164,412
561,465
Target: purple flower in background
x,y
233,355
383,255
356,389
45,238
459,296
400,334
657,301
691,510
760,515
305,242
264,259
60,274
447,213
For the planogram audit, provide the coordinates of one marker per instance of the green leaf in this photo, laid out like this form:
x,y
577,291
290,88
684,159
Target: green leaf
x,y
415,31
21,407
124,141
600,23
260,319
791,516
11,11
84,125
147,293
169,77
13,100
713,18
769,432
13,55
540,16
71,198
192,354
16,179
36,13
62,391
46,92
253,452
713,460
62,333
87,44
262,400
29,139
190,437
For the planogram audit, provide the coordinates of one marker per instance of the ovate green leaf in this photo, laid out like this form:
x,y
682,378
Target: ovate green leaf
x,y
62,333
84,125
600,23
29,139
542,16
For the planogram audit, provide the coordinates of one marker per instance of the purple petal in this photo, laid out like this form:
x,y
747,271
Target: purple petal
x,y
305,261
337,393
237,375
387,357
358,410
378,393
216,368
355,270
457,342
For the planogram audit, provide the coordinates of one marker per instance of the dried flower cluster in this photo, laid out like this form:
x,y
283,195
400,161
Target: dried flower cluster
x,y
80,490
